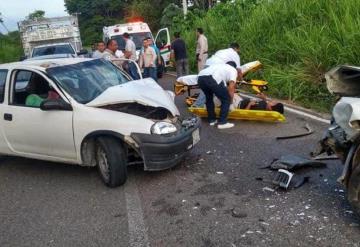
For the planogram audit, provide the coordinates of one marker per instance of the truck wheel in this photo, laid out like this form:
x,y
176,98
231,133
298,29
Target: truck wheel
x,y
111,161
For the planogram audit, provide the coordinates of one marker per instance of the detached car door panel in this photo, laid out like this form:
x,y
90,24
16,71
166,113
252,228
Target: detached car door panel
x,y
30,130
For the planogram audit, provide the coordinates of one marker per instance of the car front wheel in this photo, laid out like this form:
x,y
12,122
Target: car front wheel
x,y
111,161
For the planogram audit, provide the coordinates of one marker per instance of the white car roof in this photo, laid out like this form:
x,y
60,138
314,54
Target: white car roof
x,y
42,65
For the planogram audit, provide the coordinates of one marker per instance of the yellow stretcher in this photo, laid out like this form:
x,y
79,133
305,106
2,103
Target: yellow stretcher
x,y
241,114
190,82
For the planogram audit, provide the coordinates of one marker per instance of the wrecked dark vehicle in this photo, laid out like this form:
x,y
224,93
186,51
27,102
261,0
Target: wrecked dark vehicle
x,y
89,112
343,136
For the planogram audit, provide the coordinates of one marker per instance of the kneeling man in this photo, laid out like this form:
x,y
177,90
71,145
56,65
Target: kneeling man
x,y
219,80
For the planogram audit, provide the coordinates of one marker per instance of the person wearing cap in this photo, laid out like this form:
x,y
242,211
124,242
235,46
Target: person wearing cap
x,y
201,48
219,80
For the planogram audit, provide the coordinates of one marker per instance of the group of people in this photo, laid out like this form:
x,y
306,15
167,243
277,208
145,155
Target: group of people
x,y
217,75
217,79
148,59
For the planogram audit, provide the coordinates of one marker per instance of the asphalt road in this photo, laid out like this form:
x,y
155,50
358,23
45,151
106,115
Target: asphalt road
x,y
210,199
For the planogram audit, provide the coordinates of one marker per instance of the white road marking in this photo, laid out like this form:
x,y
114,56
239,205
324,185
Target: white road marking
x,y
138,236
289,109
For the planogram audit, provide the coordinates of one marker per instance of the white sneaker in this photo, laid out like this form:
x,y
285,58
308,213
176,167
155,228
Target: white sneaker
x,y
213,123
225,126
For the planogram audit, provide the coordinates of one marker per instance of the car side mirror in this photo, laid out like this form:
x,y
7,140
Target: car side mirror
x,y
55,104
82,52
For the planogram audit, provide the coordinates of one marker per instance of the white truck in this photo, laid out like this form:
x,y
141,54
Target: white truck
x,y
138,32
50,36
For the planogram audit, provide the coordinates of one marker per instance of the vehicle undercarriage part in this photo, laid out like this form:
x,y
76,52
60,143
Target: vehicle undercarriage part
x,y
292,162
344,178
333,142
281,179
149,112
326,157
307,127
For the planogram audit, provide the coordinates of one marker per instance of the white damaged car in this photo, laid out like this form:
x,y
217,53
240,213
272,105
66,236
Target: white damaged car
x,y
89,112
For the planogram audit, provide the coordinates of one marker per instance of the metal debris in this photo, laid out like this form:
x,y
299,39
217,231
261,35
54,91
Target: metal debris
x,y
307,127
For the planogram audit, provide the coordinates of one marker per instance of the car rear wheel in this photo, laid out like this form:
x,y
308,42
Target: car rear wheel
x,y
111,161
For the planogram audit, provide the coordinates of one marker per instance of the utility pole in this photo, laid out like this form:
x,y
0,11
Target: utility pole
x,y
185,8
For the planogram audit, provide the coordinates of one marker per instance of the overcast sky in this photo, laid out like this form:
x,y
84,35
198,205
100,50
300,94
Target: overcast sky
x,y
15,10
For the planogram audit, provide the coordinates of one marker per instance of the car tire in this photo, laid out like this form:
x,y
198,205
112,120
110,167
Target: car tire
x,y
111,161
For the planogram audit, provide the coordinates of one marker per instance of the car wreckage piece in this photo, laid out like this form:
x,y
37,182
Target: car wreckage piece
x,y
343,135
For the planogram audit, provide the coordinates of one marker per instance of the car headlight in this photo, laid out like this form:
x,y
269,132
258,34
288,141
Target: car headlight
x,y
162,128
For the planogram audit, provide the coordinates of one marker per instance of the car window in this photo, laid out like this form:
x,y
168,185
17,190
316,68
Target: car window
x,y
52,50
30,89
22,79
138,39
3,74
86,80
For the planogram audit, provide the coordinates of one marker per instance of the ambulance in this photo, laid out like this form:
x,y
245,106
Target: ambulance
x,y
138,32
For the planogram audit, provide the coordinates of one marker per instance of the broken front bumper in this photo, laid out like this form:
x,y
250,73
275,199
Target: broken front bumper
x,y
160,152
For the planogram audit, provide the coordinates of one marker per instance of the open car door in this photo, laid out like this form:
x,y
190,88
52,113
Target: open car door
x,y
163,42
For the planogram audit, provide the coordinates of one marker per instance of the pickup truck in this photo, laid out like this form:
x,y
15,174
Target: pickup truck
x,y
89,112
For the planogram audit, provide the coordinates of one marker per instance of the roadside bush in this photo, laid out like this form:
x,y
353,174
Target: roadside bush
x,y
296,40
10,47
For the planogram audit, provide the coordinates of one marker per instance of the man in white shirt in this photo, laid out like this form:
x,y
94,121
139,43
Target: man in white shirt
x,y
226,55
201,48
100,48
111,53
213,81
130,53
147,60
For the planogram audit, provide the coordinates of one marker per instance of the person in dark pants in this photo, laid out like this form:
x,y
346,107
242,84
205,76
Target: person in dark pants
x,y
213,81
178,53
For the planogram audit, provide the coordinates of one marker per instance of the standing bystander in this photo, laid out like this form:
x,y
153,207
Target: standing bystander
x,y
100,48
201,48
147,60
178,52
130,53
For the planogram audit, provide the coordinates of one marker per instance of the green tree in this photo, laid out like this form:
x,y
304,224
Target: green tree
x,y
168,14
94,15
37,14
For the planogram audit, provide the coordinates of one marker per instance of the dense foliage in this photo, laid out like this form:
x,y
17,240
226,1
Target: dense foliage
x,y
297,41
10,47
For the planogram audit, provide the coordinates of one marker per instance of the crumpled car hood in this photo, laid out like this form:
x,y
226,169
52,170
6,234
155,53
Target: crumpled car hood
x,y
344,80
145,91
